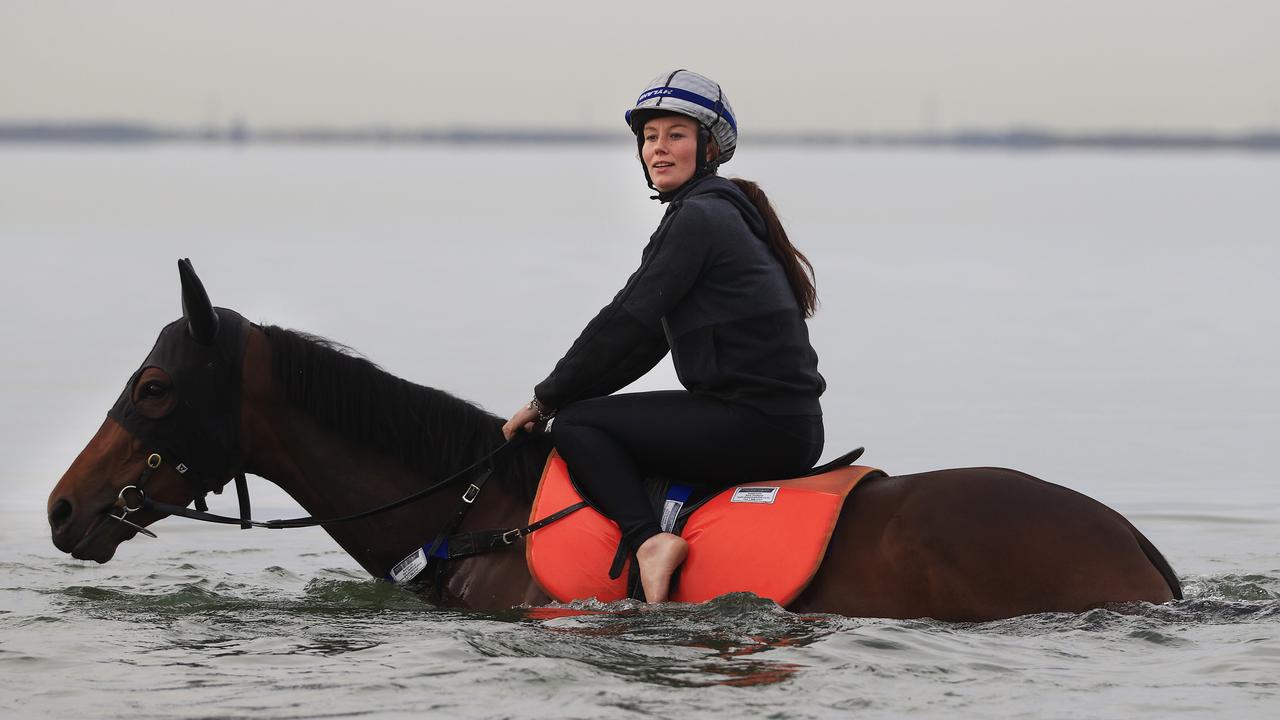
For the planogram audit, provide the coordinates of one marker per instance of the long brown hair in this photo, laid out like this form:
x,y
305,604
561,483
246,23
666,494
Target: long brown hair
x,y
798,268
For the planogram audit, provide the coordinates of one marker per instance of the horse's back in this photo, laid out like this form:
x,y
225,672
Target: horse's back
x,y
978,544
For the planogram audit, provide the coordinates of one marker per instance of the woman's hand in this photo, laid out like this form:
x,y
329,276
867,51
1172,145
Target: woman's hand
x,y
525,417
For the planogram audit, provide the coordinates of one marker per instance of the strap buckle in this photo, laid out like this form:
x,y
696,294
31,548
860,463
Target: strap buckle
x,y
511,536
470,495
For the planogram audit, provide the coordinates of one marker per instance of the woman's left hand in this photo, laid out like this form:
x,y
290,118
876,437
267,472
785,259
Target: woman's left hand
x,y
525,417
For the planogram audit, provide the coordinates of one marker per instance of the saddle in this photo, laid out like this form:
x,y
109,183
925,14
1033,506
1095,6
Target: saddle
x,y
766,538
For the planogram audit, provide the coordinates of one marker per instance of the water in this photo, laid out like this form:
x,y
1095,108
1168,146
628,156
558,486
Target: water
x,y
1106,322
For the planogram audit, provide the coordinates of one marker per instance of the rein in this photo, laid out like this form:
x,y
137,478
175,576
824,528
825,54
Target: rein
x,y
141,501
447,544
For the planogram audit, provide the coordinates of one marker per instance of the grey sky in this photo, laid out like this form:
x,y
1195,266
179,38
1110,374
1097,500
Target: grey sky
x,y
786,64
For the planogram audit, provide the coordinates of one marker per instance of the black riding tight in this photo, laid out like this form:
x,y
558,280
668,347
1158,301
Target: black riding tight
x,y
611,443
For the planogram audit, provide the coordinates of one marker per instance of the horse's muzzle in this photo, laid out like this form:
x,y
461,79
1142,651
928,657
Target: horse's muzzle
x,y
94,538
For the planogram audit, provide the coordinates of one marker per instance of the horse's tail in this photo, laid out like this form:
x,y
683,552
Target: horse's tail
x,y
1157,559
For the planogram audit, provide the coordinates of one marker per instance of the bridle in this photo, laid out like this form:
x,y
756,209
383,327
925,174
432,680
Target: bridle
x,y
203,360
203,354
199,438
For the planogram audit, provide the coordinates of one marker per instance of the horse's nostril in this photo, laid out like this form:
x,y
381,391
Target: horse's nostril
x,y
60,513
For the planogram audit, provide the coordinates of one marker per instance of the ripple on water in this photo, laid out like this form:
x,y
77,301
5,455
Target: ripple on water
x,y
671,645
1233,587
274,629
1158,638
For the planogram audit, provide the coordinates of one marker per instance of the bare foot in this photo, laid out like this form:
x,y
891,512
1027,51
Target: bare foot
x,y
658,557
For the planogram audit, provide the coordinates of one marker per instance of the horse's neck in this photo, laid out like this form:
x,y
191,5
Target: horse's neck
x,y
331,476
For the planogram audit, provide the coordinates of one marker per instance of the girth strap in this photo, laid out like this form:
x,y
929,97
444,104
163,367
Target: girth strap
x,y
482,541
468,496
242,495
433,553
466,544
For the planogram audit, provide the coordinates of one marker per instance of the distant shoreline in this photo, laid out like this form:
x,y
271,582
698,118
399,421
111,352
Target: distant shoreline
x,y
127,132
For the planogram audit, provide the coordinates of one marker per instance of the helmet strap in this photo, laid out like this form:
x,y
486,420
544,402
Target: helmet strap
x,y
643,165
709,165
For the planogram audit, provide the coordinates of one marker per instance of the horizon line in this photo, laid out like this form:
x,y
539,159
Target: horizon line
x,y
1025,136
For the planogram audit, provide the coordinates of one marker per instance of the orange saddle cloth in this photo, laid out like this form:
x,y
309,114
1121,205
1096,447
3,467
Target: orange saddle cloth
x,y
767,538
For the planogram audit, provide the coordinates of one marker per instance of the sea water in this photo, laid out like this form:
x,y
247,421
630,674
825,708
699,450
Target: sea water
x,y
1107,322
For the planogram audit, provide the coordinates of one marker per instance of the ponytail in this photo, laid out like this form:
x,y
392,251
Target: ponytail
x,y
798,268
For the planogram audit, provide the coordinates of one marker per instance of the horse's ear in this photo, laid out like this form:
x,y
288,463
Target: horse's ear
x,y
202,321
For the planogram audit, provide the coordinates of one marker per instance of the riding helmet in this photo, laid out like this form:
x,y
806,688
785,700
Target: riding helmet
x,y
696,96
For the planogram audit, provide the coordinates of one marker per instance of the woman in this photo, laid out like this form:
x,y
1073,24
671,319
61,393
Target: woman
x,y
722,288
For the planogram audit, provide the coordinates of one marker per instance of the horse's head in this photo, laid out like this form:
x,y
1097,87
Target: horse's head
x,y
173,432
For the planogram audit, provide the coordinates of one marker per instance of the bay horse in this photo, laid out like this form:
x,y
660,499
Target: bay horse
x,y
222,397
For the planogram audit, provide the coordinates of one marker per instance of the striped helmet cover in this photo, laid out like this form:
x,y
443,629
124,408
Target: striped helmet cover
x,y
697,96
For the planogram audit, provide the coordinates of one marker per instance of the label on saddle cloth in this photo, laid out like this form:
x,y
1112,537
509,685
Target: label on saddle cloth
x,y
733,544
764,495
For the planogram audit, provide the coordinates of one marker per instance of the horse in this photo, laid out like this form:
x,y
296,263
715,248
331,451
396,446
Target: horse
x,y
222,397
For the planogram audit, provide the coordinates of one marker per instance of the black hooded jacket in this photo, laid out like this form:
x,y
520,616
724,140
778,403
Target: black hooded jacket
x,y
709,289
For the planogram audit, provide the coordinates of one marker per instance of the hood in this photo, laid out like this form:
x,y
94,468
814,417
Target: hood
x,y
716,185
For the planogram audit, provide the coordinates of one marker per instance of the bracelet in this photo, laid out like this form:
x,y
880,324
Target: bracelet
x,y
543,414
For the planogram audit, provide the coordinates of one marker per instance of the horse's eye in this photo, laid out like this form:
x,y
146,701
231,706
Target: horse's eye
x,y
152,390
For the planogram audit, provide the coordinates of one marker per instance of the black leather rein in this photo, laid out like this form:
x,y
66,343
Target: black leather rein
x,y
140,501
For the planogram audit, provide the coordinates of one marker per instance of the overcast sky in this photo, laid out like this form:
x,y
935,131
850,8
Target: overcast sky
x,y
785,64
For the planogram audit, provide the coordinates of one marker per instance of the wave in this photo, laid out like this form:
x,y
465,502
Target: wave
x,y
182,596
735,640
734,623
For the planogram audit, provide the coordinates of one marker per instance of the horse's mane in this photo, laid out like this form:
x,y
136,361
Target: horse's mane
x,y
427,430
